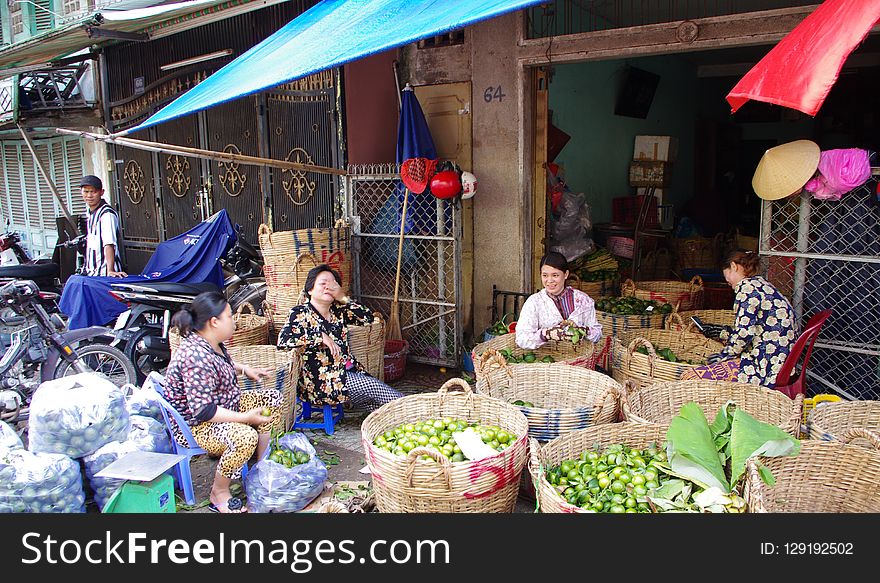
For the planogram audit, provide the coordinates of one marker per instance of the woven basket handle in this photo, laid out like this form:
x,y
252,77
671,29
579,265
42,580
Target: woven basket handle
x,y
575,277
612,391
628,288
265,229
858,432
456,382
340,224
299,259
652,354
696,281
247,305
669,321
535,461
413,456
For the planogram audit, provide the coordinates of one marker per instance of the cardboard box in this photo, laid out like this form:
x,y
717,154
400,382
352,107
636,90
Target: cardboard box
x,y
650,173
659,148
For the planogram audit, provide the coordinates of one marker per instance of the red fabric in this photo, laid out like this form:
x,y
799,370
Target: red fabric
x,y
800,70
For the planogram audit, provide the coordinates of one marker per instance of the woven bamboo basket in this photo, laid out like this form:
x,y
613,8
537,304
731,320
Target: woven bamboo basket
x,y
823,477
290,276
616,324
565,398
284,363
660,402
281,251
657,264
698,252
251,329
367,344
682,320
485,355
647,369
681,294
410,484
572,444
832,420
279,302
596,289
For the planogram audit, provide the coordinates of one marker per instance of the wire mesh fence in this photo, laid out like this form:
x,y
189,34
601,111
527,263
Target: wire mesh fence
x,y
430,260
826,254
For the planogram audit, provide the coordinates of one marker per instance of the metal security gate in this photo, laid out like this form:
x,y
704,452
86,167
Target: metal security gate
x,y
826,254
430,278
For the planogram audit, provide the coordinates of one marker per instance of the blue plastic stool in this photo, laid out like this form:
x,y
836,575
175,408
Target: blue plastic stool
x,y
330,418
182,471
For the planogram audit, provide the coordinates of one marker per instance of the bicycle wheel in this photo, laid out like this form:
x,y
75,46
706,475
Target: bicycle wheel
x,y
105,360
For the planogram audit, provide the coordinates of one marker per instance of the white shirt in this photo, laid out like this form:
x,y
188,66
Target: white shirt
x,y
539,312
103,229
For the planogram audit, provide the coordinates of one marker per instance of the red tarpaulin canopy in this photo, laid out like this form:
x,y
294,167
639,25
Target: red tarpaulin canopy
x,y
800,70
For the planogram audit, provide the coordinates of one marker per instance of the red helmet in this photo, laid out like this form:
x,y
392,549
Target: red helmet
x,y
445,184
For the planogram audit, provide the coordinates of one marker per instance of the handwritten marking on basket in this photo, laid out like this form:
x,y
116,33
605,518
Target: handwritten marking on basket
x,y
375,475
503,475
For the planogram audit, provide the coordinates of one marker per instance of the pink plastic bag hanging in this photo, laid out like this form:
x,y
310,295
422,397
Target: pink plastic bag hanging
x,y
840,171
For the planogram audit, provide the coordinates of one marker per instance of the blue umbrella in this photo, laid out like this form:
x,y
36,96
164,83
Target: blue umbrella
x,y
413,141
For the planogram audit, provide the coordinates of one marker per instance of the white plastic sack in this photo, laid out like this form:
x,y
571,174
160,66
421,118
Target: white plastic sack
x,y
9,439
40,482
144,401
77,415
146,434
272,487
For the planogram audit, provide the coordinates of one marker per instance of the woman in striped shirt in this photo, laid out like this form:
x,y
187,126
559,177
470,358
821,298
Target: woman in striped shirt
x,y
543,314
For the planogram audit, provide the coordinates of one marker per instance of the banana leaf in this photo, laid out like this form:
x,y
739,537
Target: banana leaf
x,y
750,437
691,449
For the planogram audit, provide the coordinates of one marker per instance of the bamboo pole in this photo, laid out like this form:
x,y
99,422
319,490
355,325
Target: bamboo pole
x,y
61,203
199,153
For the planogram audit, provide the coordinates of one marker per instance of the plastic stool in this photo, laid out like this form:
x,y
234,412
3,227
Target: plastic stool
x,y
329,422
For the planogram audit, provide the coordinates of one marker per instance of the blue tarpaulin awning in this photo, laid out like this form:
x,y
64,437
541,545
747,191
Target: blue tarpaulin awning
x,y
329,34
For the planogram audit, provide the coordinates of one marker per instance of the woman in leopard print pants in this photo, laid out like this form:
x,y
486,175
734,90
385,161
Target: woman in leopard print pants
x,y
201,384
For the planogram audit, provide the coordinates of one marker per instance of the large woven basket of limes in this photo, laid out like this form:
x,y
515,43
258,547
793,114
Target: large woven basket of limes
x,y
660,402
417,465
555,399
573,472
682,295
649,356
502,350
619,315
826,476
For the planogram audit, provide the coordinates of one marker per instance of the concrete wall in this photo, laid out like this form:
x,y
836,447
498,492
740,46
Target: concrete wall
x,y
597,158
371,109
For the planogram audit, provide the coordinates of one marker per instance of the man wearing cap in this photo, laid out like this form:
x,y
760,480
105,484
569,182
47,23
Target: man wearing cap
x,y
102,236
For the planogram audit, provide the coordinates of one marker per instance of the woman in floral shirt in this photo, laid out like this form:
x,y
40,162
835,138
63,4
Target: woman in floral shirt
x,y
201,384
330,373
764,326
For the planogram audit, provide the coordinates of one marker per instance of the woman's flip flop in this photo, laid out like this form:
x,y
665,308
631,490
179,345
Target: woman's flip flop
x,y
234,505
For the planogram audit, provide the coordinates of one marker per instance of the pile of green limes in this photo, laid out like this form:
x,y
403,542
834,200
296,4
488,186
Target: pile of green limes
x,y
528,357
632,306
288,457
614,481
436,434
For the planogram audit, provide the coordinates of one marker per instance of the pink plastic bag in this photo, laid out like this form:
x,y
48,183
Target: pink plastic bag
x,y
839,172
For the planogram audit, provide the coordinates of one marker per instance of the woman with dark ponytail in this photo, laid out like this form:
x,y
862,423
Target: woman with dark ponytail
x,y
201,384
764,325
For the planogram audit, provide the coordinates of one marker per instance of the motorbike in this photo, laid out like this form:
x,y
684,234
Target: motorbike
x,y
16,264
143,329
42,349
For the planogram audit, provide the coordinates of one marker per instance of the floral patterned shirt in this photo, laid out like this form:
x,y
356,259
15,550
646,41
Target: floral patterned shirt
x,y
763,333
199,380
322,379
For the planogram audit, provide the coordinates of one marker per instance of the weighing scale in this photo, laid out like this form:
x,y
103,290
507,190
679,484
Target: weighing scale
x,y
148,489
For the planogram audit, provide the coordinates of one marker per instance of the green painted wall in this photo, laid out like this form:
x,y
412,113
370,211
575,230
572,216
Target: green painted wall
x,y
596,159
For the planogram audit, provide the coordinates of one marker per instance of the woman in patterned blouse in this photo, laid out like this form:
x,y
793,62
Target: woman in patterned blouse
x,y
543,313
201,384
330,374
764,325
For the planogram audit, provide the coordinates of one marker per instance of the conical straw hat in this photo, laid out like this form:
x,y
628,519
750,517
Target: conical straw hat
x,y
785,169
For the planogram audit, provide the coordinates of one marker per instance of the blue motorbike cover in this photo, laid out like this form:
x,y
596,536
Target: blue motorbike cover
x,y
192,257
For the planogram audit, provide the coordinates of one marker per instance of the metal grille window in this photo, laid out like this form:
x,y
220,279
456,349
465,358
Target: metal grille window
x,y
430,276
826,254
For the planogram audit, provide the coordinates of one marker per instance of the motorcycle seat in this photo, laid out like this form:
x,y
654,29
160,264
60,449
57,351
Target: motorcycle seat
x,y
171,287
41,271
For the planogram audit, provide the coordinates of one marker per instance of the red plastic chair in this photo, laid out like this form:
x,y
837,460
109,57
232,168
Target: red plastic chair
x,y
784,382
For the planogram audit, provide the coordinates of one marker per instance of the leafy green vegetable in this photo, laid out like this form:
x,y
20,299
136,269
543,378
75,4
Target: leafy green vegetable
x,y
750,437
691,449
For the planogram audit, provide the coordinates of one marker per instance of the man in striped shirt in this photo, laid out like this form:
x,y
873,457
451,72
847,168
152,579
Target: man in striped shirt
x,y
102,237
